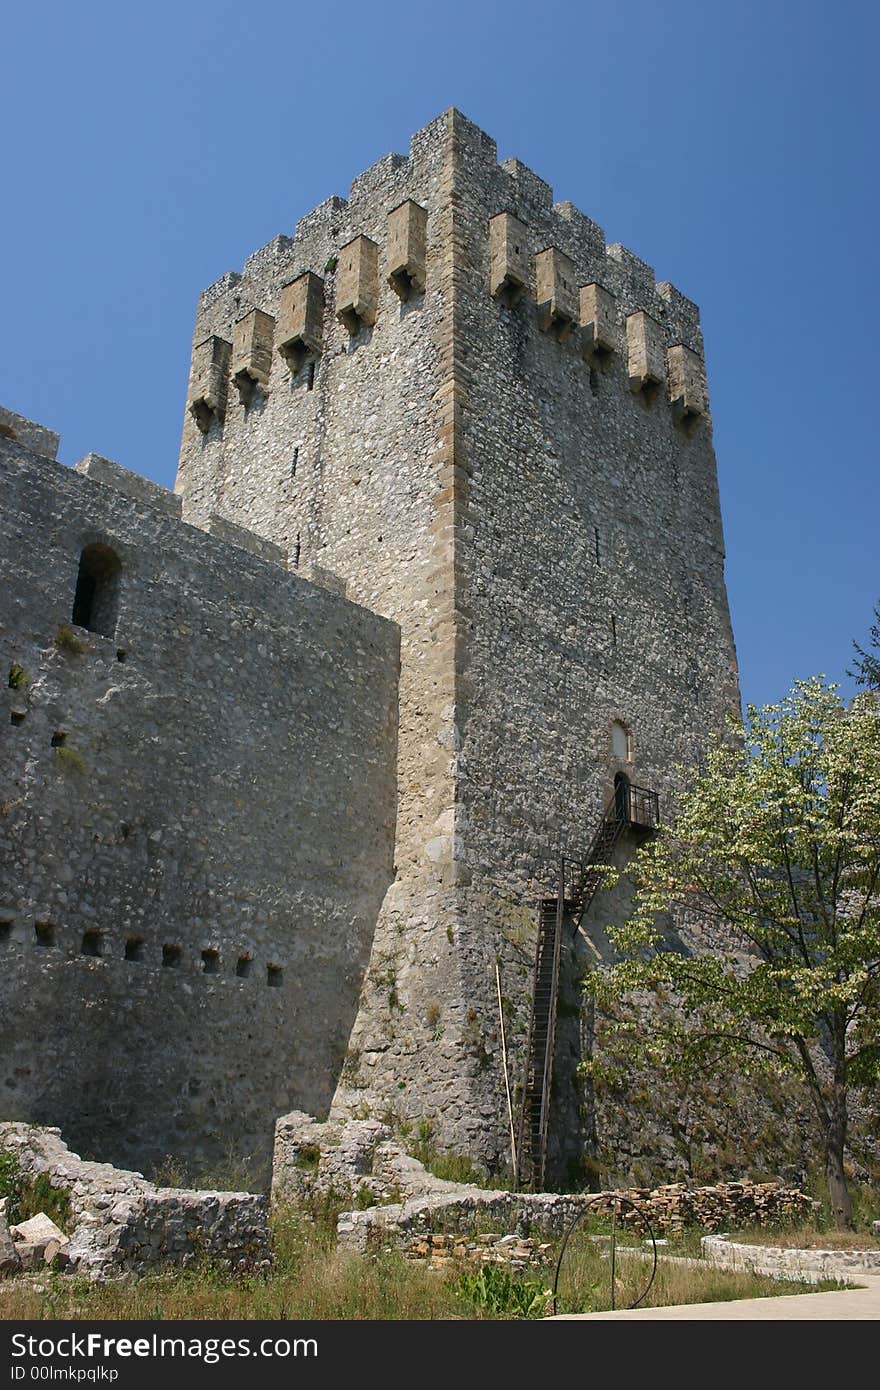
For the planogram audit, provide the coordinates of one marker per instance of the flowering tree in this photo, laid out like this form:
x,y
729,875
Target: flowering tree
x,y
776,841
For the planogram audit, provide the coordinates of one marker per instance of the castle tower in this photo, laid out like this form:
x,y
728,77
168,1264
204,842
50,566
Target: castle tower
x,y
449,400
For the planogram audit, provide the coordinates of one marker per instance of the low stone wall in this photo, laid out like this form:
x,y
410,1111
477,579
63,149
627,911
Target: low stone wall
x,y
808,1265
362,1157
123,1224
668,1210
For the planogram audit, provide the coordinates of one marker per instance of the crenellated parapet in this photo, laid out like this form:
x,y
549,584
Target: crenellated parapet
x,y
351,261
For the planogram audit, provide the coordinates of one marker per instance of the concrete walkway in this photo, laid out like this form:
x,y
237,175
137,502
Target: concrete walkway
x,y
849,1305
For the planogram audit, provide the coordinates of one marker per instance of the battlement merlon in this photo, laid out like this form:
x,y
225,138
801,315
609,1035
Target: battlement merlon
x,y
37,438
395,179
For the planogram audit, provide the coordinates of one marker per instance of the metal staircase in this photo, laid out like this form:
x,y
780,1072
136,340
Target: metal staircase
x,y
579,881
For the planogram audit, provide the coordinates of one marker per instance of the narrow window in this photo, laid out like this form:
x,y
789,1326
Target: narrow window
x,y
596,540
293,461
621,742
171,956
121,655
273,976
211,962
613,631
134,948
5,931
17,717
44,933
243,967
96,601
91,943
296,552
310,378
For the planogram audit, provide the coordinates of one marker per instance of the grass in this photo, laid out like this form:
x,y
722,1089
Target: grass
x,y
585,1282
311,1279
821,1233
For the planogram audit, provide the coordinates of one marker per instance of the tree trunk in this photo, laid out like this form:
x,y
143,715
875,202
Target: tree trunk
x,y
835,1143
838,1191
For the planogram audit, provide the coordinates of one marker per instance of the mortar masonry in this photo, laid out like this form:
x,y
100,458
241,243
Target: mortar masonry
x,y
447,400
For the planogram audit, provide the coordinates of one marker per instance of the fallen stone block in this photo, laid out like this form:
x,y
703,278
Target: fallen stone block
x,y
33,1237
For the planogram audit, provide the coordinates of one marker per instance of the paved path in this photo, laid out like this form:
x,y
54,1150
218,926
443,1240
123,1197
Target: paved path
x,y
849,1305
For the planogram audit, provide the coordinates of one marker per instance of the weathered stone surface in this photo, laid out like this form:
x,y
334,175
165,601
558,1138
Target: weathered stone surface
x,y
646,354
548,543
110,474
38,1240
669,1209
463,474
407,234
510,258
301,319
357,284
209,381
556,292
189,904
811,1265
26,432
126,1225
251,363
687,381
598,320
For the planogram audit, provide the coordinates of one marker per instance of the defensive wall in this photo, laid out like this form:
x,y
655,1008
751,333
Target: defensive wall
x,y
196,817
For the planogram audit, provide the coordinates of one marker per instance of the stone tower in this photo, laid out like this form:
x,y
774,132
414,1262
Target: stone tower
x,y
449,400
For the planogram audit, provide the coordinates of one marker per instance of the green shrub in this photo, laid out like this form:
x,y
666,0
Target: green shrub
x,y
28,1196
495,1292
70,758
67,641
308,1156
18,677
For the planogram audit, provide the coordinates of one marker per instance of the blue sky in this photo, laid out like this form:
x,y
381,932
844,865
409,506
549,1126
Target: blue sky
x,y
732,146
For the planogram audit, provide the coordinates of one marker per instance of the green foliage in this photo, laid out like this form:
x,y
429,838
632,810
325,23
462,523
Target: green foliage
x,y
330,264
18,677
452,1167
495,1292
308,1157
28,1196
776,847
11,1178
70,758
867,664
66,640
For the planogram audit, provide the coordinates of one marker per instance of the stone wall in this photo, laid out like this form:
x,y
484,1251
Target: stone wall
x,y
666,1210
196,823
515,463
122,1224
428,1217
784,1263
